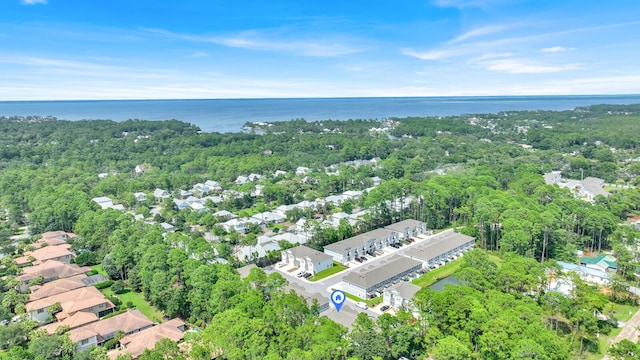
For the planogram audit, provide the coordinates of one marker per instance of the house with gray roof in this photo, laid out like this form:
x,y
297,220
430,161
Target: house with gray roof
x,y
441,247
351,248
408,228
366,282
307,259
400,296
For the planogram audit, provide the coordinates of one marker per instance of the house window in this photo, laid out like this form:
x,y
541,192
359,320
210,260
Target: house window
x,y
40,311
84,342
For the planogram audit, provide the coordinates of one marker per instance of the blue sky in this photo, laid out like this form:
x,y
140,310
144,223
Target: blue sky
x,y
142,49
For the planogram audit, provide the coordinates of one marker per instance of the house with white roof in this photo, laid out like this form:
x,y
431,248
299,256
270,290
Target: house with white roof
x,y
140,196
161,194
269,217
213,186
105,202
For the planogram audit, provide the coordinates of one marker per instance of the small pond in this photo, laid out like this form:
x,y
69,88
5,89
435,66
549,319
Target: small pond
x,y
439,286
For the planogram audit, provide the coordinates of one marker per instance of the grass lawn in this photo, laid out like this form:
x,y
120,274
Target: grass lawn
x,y
99,269
371,303
138,302
337,267
622,312
433,276
603,341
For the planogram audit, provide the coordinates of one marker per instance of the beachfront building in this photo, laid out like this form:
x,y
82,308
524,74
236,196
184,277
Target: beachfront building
x,y
440,248
408,228
359,245
307,259
365,283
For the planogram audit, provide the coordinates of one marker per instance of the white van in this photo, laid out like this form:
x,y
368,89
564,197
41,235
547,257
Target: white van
x,y
362,305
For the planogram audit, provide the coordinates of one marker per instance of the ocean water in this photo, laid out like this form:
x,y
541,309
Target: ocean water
x,y
229,115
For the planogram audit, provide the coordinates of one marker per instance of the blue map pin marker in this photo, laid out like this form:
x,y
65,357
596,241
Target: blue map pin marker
x,y
337,298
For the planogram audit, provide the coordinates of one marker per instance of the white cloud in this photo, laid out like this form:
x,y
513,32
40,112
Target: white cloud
x,y
268,41
429,55
517,66
554,49
486,30
33,2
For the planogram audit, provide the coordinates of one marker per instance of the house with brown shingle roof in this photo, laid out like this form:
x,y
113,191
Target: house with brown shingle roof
x,y
87,299
57,287
50,270
97,333
74,321
135,344
58,253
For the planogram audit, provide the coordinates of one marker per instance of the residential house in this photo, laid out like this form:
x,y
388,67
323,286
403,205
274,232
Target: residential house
x,y
408,228
99,332
241,180
354,247
161,194
279,172
335,200
50,270
292,239
74,321
376,181
365,283
105,202
135,344
593,187
269,217
352,195
57,287
440,248
320,300
59,253
602,262
400,296
214,186
87,299
307,259
282,209
586,273
224,214
237,225
140,196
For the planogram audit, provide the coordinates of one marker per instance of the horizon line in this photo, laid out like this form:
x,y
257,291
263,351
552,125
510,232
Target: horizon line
x,y
329,97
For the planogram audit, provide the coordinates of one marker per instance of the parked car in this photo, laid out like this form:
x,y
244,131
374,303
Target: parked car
x,y
282,265
358,259
300,274
362,305
384,308
307,275
363,258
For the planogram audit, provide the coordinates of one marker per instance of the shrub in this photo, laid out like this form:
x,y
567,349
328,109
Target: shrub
x,y
104,284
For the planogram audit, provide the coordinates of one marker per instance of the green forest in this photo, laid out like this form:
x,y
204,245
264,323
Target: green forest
x,y
481,174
